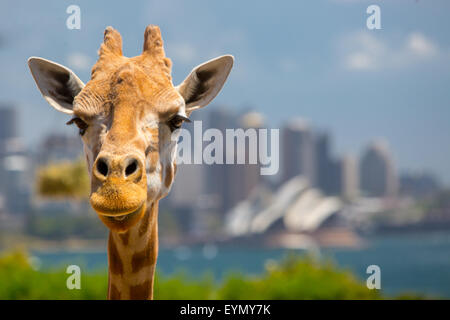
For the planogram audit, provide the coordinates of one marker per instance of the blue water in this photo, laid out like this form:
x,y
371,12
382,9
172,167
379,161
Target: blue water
x,y
418,263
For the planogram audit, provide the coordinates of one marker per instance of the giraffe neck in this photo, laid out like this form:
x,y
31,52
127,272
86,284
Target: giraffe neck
x,y
132,258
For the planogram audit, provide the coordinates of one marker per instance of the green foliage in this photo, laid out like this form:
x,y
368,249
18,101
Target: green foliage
x,y
19,280
293,278
63,180
296,278
181,287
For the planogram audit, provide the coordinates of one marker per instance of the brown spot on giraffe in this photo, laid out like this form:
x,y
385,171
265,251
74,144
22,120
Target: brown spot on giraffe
x,y
142,259
115,262
140,291
169,176
145,222
114,294
124,237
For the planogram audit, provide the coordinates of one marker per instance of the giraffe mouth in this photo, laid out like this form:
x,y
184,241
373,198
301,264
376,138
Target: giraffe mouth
x,y
121,222
119,206
119,217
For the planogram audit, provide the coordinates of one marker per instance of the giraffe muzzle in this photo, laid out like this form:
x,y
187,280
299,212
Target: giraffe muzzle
x,y
119,189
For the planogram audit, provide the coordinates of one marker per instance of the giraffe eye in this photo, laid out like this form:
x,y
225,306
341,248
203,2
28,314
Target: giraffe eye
x,y
79,123
176,122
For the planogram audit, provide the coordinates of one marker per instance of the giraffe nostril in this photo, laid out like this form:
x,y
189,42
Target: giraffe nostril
x,y
102,167
131,168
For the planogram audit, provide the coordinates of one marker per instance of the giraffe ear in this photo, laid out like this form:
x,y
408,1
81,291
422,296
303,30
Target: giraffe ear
x,y
205,81
58,84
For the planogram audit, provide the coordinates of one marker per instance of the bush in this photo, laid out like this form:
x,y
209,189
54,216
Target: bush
x,y
19,280
296,278
181,287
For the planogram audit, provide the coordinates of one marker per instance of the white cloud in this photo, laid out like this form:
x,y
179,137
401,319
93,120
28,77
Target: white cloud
x,y
360,60
366,51
79,61
182,52
421,46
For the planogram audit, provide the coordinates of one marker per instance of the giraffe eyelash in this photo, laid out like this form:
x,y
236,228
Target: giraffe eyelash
x,y
79,123
176,122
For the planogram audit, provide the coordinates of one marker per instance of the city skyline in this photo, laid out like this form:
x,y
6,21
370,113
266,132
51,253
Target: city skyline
x,y
206,195
232,120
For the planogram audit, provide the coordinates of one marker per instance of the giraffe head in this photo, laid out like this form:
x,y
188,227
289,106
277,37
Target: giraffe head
x,y
128,115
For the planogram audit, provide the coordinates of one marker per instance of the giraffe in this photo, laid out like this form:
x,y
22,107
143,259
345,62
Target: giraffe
x,y
128,115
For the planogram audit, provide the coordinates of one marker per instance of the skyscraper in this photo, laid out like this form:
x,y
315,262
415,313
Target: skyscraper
x,y
245,177
329,170
8,123
377,172
189,182
349,177
298,151
14,163
219,177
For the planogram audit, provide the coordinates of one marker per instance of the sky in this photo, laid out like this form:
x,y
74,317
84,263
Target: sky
x,y
312,59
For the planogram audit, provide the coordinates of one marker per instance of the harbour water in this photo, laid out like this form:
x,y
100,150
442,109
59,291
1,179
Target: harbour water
x,y
409,263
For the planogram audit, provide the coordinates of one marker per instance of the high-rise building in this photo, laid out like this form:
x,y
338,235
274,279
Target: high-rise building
x,y
219,177
298,151
8,123
14,164
329,170
189,182
246,177
349,177
378,177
